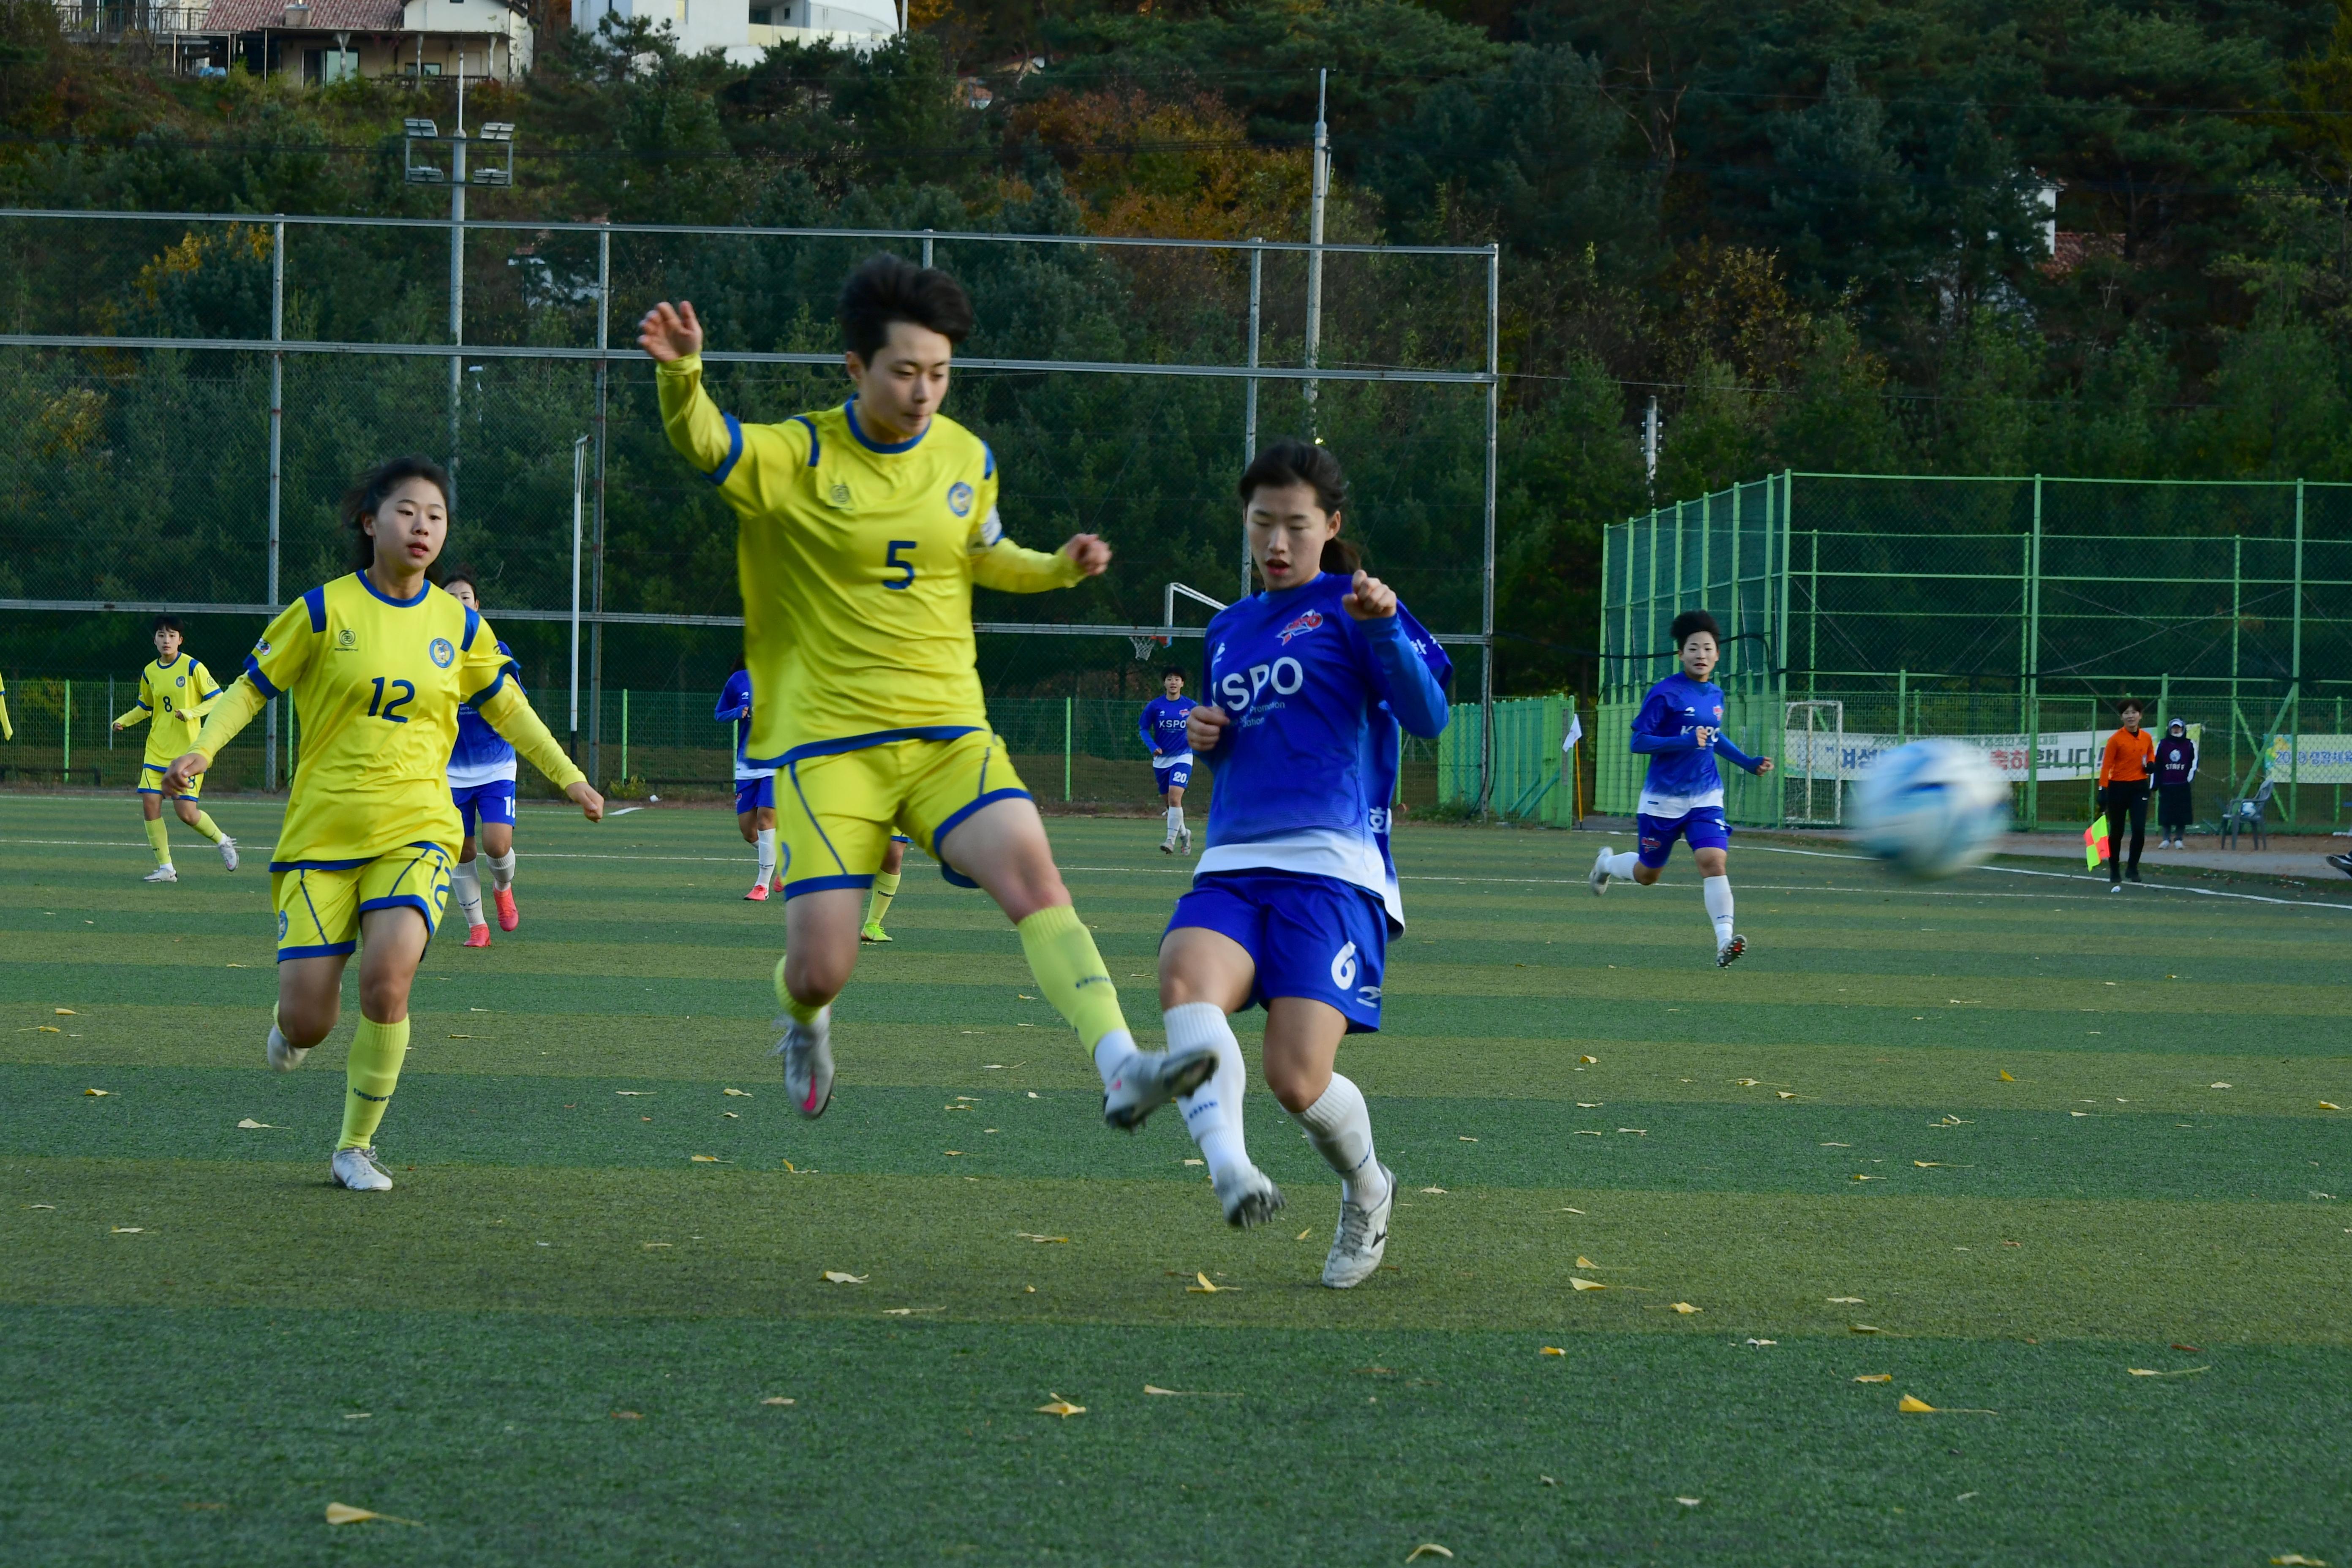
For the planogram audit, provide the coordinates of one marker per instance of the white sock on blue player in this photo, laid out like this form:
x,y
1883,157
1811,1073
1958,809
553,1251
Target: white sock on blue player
x,y
766,846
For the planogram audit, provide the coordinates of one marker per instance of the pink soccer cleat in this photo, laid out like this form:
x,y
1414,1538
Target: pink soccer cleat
x,y
479,937
509,918
758,895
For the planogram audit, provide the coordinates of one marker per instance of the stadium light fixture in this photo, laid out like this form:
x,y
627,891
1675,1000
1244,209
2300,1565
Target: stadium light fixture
x,y
412,168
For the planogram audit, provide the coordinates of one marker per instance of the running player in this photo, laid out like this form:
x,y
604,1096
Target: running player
x,y
7,731
862,528
482,783
1296,895
755,788
1172,760
379,662
886,888
175,690
1680,728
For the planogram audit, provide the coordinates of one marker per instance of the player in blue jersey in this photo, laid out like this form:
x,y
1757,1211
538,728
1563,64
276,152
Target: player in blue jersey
x,y
1680,729
1171,756
755,787
1295,893
482,783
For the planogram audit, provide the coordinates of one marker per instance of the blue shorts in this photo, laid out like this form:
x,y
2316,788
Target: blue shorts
x,y
1702,829
755,794
1316,937
494,801
1175,776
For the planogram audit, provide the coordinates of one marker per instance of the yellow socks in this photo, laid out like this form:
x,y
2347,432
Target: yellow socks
x,y
1061,953
206,826
370,1076
798,1012
160,839
886,888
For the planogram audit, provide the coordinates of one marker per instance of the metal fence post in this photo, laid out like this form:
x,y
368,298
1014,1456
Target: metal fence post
x,y
625,732
277,466
1249,389
2294,674
1070,716
1788,570
1486,588
2034,666
603,386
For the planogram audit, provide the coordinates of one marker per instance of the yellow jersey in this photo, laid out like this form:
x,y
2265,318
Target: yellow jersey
x,y
173,701
857,559
376,684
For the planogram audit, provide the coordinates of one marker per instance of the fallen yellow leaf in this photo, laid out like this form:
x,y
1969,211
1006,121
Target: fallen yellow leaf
x,y
1845,1301
1910,1406
778,1399
128,1229
1203,1287
1302,1235
1026,1236
1439,1191
1584,1262
627,1416
2297,1560
93,1093
835,1276
706,1159
236,966
2328,1105
1866,1178
344,1513
249,1124
1875,1377
1588,1061
1746,1082
1431,1548
1586,1284
2006,1079
1785,1093
1928,1165
1867,1329
2177,1372
738,1093
64,1012
1061,1407
1684,1308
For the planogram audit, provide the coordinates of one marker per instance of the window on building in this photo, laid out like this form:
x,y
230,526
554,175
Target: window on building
x,y
763,16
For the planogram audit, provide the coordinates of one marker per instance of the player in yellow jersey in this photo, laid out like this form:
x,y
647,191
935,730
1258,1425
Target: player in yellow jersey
x,y
377,664
175,690
861,531
7,731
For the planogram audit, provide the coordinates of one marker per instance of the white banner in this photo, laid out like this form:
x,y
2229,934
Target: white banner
x,y
2312,759
2065,754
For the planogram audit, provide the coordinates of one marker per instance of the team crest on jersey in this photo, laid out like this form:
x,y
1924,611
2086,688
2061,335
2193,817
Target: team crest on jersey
x,y
960,498
179,680
261,648
443,654
1299,627
347,639
839,494
281,925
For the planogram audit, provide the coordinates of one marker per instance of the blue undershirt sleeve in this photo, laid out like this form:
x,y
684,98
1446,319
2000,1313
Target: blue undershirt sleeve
x,y
1646,739
1403,681
1144,724
1724,748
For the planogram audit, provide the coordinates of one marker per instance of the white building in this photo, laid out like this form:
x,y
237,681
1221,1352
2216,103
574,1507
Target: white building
x,y
743,29
323,41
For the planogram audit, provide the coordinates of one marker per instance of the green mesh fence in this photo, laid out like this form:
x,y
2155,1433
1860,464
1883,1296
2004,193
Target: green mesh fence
x,y
1860,611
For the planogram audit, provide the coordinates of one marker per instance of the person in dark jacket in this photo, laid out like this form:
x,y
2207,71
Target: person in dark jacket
x,y
2176,769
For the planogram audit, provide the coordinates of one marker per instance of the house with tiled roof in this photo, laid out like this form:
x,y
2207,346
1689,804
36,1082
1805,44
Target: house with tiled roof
x,y
323,41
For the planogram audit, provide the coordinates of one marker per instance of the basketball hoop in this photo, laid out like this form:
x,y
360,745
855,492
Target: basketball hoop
x,y
1144,643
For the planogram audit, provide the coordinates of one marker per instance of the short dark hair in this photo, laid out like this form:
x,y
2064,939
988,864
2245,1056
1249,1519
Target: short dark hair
x,y
2133,703
170,623
367,493
1308,463
463,573
1175,669
887,288
1689,624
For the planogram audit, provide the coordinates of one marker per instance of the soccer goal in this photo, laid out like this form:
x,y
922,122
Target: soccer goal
x,y
1814,793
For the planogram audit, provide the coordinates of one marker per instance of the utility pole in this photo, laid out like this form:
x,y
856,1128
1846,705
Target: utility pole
x,y
457,272
1650,447
1321,188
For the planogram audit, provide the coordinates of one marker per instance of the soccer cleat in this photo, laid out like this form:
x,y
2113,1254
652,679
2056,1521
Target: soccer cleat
x,y
1362,1237
1168,844
1599,880
479,937
508,916
2342,863
357,1169
284,1057
807,1050
227,847
1731,950
758,895
872,931
1184,841
1150,1080
162,873
1249,1196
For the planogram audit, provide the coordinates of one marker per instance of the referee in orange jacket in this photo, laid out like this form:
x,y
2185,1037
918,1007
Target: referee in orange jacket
x,y
2123,789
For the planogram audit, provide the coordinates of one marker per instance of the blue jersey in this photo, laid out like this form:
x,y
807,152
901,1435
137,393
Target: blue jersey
x,y
1308,767
481,755
1683,774
735,704
1163,727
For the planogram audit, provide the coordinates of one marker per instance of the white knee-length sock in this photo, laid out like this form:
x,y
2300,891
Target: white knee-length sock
x,y
1341,1131
1622,863
1175,820
467,883
501,870
1716,891
1212,1112
765,844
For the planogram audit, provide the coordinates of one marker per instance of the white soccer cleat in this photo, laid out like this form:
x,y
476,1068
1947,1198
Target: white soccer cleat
x,y
1731,950
1150,1080
227,847
164,873
284,1057
1599,880
1249,1196
807,1050
357,1169
1168,844
1362,1237
1185,841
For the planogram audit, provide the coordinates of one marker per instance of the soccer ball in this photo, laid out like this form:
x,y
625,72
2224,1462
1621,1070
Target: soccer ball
x,y
1932,808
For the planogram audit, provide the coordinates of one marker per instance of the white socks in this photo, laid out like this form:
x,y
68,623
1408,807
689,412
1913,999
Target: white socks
x,y
1111,1053
1175,820
468,884
501,870
1717,893
1623,863
1341,1131
766,844
1212,1112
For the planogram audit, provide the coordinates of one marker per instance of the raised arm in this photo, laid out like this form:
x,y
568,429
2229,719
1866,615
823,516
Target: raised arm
x,y
1404,679
998,563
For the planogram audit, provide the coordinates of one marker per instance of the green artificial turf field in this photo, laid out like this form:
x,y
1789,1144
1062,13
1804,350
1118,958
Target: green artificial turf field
x,y
1998,1142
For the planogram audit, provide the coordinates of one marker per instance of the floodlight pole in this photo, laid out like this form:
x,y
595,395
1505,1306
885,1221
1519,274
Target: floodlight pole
x,y
579,489
1486,580
457,271
1320,189
277,466
1249,387
604,383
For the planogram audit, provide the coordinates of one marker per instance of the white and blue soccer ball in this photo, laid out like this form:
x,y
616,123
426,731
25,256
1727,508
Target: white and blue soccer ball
x,y
1931,809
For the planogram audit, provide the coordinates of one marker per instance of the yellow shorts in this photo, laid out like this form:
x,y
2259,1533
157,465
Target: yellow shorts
x,y
151,781
318,908
836,814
